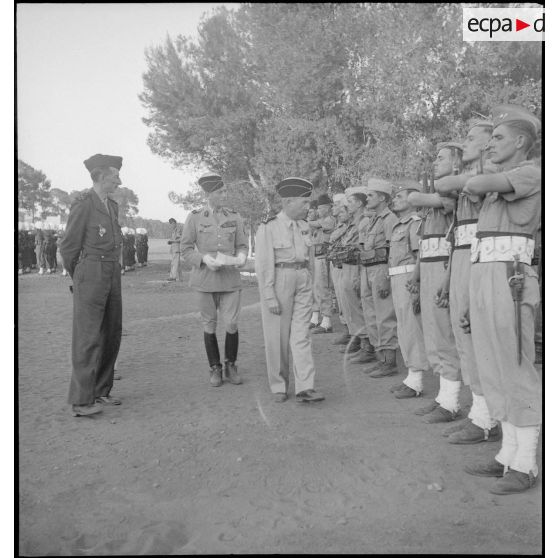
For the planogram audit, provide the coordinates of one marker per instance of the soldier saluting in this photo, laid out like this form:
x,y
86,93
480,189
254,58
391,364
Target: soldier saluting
x,y
502,318
91,253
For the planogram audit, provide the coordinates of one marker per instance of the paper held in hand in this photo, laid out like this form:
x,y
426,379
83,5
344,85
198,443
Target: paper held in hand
x,y
225,259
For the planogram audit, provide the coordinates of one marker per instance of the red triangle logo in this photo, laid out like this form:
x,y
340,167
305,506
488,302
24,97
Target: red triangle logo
x,y
519,25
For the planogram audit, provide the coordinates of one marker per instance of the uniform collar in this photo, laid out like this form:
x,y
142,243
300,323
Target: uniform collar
x,y
384,212
99,203
288,221
407,218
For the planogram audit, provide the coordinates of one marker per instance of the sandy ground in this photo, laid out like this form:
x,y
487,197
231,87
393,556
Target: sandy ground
x,y
184,468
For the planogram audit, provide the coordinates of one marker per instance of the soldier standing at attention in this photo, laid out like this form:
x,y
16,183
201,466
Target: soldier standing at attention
x,y
39,247
341,215
350,273
285,283
174,242
212,230
504,296
91,252
479,426
403,257
375,288
435,250
323,227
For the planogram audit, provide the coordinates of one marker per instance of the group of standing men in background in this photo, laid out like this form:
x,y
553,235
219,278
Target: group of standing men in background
x,y
38,246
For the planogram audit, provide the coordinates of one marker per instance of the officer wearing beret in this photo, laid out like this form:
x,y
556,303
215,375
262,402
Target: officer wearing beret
x,y
321,227
403,257
504,295
375,290
91,252
479,425
214,244
285,283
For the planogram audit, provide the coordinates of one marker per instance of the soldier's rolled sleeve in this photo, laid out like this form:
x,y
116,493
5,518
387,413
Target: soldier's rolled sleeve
x,y
241,241
265,263
72,243
525,182
188,242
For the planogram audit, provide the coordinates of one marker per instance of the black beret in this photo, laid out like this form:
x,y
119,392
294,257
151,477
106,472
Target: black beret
x,y
99,160
294,187
210,182
324,199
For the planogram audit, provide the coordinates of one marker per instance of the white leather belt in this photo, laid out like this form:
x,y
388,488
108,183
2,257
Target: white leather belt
x,y
398,270
465,234
502,249
434,247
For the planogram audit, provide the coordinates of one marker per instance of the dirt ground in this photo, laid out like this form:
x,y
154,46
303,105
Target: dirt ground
x,y
184,468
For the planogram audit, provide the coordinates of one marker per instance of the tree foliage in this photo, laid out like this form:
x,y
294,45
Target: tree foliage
x,y
32,189
332,92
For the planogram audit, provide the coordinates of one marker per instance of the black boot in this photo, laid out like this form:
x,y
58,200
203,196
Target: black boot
x,y
214,358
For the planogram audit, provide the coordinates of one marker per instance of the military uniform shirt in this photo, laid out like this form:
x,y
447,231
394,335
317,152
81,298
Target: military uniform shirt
x,y
379,230
92,228
404,241
518,211
280,240
210,232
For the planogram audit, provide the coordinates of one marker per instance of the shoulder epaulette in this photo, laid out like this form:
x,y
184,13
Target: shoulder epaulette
x,y
86,194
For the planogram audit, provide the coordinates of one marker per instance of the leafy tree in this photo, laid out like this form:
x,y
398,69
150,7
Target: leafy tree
x,y
33,189
127,201
332,92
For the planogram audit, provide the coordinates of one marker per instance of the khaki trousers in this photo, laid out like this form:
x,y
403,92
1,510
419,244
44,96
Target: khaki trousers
x,y
336,280
438,334
293,288
379,313
350,300
409,325
513,391
459,303
322,301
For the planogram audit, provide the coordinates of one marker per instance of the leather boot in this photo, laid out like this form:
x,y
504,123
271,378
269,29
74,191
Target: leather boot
x,y
388,367
231,373
343,338
216,375
352,347
367,353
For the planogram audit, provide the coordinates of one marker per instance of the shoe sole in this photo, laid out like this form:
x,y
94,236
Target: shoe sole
x,y
484,475
78,414
471,442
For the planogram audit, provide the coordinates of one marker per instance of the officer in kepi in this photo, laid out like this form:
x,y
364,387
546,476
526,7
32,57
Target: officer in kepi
x,y
282,266
91,253
214,244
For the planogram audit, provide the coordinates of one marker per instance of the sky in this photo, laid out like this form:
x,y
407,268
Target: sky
x,y
79,73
